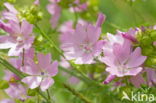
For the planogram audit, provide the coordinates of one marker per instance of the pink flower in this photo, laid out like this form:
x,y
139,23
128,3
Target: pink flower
x,y
82,44
17,91
54,9
9,76
11,13
40,73
121,59
19,37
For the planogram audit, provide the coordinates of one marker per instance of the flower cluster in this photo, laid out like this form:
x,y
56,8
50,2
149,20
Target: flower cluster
x,y
19,40
124,56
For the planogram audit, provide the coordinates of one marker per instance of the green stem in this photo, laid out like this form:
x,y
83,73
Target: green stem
x,y
45,36
49,97
76,18
23,57
11,68
72,73
38,99
77,94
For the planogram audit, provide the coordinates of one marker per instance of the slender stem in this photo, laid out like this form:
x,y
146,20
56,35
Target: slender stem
x,y
11,68
38,99
76,18
52,43
77,94
49,97
23,57
72,73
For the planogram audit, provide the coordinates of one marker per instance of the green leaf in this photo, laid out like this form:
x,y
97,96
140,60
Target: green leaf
x,y
31,92
4,84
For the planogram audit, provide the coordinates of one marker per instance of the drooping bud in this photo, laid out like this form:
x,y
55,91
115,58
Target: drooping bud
x,y
101,19
109,79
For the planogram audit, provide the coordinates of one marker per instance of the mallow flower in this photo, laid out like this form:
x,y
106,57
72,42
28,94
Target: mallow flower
x,y
40,73
17,91
121,59
19,37
83,44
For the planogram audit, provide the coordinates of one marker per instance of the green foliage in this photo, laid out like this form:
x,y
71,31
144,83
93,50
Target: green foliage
x,y
146,41
32,92
4,84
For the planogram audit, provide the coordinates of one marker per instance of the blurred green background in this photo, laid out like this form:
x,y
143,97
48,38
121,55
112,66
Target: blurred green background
x,y
121,14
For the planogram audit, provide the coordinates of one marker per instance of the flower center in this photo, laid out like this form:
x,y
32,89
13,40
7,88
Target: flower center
x,y
42,73
87,48
12,80
123,69
19,39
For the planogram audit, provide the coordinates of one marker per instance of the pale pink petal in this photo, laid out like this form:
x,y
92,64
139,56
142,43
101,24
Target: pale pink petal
x,y
98,47
87,59
6,27
32,81
53,68
113,71
80,33
93,33
10,8
26,28
13,51
31,68
10,16
122,52
109,61
44,60
6,45
136,59
15,28
134,71
46,83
